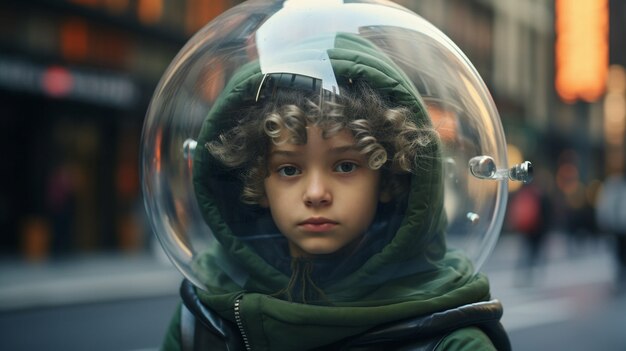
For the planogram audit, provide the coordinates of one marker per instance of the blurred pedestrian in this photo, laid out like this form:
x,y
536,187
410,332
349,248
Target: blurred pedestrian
x,y
530,216
611,218
62,205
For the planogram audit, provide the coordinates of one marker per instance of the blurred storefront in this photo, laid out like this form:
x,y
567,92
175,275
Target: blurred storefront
x,y
75,81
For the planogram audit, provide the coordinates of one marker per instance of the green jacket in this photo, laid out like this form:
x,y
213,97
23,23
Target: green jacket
x,y
407,275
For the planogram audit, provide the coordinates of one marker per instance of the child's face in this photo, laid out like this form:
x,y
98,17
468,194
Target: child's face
x,y
322,195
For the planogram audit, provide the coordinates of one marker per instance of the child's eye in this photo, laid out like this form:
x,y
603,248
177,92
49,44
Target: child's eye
x,y
289,171
346,167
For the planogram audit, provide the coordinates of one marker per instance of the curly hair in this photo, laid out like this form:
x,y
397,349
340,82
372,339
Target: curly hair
x,y
386,134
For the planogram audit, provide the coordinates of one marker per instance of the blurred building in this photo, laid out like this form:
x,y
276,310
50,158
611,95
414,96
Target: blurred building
x,y
75,81
76,77
556,71
511,44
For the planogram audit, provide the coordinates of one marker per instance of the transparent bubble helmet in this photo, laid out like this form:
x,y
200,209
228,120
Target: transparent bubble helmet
x,y
295,37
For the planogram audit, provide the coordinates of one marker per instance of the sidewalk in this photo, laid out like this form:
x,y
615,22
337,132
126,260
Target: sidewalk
x,y
571,280
85,279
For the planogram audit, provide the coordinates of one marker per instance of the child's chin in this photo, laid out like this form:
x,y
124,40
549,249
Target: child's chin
x,y
317,250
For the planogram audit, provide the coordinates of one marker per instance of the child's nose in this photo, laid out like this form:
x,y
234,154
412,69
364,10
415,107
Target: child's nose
x,y
317,192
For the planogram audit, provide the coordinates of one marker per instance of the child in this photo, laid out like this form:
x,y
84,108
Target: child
x,y
327,207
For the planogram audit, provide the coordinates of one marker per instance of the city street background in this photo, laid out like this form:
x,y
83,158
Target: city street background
x,y
80,268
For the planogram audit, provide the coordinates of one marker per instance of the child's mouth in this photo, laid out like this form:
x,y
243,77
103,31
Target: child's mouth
x,y
318,224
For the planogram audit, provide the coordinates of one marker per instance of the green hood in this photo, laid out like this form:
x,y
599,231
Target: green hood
x,y
411,274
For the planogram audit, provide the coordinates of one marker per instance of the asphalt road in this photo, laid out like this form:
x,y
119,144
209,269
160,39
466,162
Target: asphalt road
x,y
135,324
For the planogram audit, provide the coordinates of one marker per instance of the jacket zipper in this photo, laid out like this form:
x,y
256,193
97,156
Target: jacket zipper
x,y
239,322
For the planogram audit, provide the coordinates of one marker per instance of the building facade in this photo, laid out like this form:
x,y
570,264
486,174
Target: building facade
x,y
76,77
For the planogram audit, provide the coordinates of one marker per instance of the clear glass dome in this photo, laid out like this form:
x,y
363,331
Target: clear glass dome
x,y
306,42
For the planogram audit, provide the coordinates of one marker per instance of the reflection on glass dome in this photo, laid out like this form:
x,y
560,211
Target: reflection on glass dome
x,y
278,53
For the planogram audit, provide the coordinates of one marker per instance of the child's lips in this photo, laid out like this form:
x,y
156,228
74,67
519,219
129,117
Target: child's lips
x,y
318,224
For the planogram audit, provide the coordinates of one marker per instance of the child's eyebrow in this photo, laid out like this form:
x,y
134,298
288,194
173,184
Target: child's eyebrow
x,y
343,149
333,150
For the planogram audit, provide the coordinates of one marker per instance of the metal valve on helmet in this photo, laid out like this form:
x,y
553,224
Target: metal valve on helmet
x,y
484,167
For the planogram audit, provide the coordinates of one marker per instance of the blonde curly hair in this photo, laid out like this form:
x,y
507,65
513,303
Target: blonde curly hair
x,y
386,134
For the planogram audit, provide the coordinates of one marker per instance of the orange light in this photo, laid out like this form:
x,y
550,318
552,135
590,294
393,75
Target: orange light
x,y
443,120
150,11
514,154
582,52
200,12
74,39
157,147
213,80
